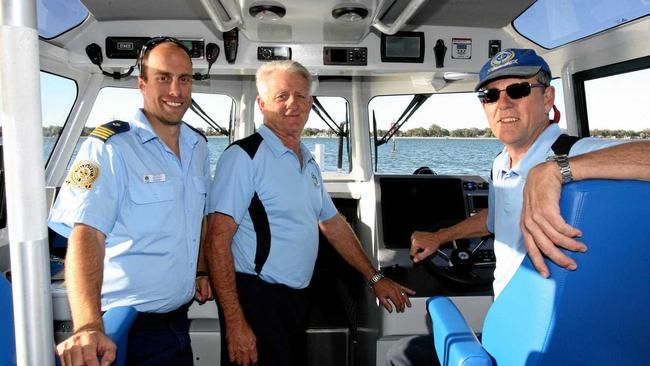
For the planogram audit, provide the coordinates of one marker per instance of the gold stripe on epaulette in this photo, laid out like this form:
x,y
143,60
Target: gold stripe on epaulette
x,y
102,132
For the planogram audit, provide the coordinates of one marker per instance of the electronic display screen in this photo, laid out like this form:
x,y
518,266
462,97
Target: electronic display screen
x,y
418,203
403,47
338,55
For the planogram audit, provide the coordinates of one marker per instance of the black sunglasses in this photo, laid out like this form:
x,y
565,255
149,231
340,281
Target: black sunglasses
x,y
514,91
152,43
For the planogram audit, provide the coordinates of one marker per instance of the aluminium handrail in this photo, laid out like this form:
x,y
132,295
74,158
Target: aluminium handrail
x,y
406,14
222,25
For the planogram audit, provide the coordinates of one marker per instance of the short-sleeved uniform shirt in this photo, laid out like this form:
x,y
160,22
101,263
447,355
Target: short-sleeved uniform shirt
x,y
506,199
294,201
149,203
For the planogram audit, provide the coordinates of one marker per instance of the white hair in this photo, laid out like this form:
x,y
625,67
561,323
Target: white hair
x,y
266,70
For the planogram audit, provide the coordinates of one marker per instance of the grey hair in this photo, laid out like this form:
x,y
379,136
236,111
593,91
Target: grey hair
x,y
543,77
266,70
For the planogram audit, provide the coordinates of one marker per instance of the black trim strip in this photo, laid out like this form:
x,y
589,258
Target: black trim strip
x,y
262,232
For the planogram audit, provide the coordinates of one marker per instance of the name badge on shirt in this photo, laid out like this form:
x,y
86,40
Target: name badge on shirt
x,y
154,178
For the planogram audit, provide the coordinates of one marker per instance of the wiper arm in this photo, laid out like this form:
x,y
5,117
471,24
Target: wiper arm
x,y
320,111
196,108
415,104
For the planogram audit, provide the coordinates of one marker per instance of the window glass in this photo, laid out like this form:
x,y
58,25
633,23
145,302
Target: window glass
x,y
449,134
317,132
58,95
55,17
617,106
122,103
553,23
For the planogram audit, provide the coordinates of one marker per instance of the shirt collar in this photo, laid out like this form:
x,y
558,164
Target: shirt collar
x,y
146,132
277,147
537,152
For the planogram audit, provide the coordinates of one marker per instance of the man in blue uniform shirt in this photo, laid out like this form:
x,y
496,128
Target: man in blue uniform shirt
x,y
132,207
267,203
523,206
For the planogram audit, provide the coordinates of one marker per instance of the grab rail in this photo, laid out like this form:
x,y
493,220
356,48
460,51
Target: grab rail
x,y
222,25
406,14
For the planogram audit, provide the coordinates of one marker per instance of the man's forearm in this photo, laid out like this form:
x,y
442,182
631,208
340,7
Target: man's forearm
x,y
84,270
472,227
218,254
625,161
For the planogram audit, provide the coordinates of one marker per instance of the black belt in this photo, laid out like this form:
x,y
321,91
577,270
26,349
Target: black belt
x,y
144,319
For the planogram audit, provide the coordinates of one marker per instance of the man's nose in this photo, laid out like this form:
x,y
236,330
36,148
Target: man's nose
x,y
175,87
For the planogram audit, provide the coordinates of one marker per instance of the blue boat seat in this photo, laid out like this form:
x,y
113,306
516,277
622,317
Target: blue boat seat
x,y
596,315
117,322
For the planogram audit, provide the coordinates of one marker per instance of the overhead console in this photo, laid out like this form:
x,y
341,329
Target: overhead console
x,y
129,47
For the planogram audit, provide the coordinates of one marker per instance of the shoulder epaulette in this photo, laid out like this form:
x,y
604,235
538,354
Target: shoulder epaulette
x,y
105,131
196,130
249,144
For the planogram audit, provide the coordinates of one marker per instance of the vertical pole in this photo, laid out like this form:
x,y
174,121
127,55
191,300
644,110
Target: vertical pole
x,y
20,108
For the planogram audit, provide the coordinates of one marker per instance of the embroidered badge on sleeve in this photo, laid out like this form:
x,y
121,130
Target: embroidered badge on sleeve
x,y
83,174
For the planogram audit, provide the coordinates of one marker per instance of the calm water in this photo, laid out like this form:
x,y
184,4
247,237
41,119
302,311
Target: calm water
x,y
444,156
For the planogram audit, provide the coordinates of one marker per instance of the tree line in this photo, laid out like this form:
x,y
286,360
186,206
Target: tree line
x,y
433,131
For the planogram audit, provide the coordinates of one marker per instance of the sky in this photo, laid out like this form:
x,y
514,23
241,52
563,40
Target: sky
x,y
615,102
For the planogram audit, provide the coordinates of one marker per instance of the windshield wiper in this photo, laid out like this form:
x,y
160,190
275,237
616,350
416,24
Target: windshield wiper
x,y
341,131
415,104
196,108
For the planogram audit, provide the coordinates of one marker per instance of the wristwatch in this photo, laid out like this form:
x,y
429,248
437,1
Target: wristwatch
x,y
562,161
378,276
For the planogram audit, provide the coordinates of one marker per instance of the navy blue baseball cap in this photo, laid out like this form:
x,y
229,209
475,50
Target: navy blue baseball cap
x,y
517,62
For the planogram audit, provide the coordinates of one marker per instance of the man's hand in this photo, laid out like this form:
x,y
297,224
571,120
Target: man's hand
x,y
203,290
424,244
542,226
242,343
84,347
386,290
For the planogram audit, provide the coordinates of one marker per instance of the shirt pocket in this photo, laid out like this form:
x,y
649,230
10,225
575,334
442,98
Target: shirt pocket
x,y
151,193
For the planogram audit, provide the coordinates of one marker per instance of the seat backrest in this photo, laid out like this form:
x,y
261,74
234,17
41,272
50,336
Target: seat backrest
x,y
7,337
596,315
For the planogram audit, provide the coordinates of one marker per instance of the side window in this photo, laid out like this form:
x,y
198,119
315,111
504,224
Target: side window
x,y
58,95
448,133
121,104
331,136
617,105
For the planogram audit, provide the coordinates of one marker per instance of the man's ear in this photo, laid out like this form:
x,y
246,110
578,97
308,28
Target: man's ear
x,y
141,84
260,102
549,98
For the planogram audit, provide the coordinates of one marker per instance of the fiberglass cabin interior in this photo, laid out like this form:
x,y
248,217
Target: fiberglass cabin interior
x,y
394,81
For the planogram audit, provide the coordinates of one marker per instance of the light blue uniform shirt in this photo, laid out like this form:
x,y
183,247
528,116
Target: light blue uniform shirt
x,y
293,197
149,204
506,199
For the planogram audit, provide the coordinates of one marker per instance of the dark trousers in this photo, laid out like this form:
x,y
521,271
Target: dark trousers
x,y
160,339
413,351
278,316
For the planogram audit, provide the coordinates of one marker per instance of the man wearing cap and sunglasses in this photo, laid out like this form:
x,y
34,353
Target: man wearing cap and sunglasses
x,y
527,176
132,208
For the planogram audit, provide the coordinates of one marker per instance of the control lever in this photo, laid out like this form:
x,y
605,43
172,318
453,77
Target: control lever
x,y
211,54
230,44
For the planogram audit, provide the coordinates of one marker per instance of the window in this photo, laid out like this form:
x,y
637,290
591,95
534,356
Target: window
x,y
617,105
448,133
121,104
55,17
58,95
317,132
553,23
